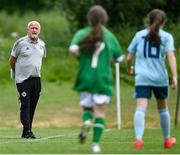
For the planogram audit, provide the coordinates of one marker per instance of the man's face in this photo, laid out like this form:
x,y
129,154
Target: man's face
x,y
33,31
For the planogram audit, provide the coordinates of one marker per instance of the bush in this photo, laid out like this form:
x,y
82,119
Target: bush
x,y
59,65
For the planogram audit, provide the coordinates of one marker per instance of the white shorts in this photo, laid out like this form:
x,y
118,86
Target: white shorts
x,y
88,99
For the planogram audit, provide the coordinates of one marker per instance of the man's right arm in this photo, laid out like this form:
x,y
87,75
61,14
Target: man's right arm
x,y
12,61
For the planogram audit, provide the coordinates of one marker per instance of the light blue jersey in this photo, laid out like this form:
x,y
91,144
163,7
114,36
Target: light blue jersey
x,y
150,69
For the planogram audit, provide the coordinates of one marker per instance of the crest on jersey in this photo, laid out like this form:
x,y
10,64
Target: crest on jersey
x,y
24,94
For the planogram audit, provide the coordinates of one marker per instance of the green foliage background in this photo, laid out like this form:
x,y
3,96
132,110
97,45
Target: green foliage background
x,y
57,34
61,18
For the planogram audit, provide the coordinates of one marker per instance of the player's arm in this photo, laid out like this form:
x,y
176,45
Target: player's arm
x,y
130,68
172,63
74,50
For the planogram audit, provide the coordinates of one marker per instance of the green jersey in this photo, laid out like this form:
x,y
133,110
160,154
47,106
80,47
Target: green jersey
x,y
97,79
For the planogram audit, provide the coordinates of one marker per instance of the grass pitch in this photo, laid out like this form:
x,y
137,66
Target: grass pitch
x,y
57,122
64,141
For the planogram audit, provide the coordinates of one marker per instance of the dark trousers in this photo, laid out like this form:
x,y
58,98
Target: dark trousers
x,y
29,92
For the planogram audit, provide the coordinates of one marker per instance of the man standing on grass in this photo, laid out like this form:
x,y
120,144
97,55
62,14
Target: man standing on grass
x,y
25,61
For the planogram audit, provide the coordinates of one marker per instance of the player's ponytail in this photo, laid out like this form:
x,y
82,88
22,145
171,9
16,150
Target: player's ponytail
x,y
97,17
155,19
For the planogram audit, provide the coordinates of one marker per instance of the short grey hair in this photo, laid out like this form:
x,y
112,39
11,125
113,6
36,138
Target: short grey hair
x,y
33,21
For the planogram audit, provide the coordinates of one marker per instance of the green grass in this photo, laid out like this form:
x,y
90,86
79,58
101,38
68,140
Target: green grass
x,y
59,107
57,122
64,141
59,103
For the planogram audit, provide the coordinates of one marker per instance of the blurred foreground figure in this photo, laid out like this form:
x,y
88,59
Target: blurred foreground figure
x,y
26,60
95,47
150,47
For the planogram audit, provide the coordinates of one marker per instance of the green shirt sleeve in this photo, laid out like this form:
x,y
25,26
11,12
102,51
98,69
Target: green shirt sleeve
x,y
115,47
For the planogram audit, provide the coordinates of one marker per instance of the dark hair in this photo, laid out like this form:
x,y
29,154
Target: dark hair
x,y
97,17
155,19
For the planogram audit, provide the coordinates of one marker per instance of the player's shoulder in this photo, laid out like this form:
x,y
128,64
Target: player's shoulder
x,y
164,33
108,33
142,32
83,30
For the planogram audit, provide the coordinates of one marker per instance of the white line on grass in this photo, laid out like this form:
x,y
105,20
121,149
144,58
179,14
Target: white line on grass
x,y
40,139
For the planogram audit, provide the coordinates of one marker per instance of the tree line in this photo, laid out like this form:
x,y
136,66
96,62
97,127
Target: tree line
x,y
121,12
